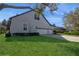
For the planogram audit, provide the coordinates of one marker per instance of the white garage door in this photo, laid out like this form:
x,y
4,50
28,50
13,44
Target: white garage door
x,y
43,31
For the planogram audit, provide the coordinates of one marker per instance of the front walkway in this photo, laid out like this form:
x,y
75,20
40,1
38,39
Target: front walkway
x,y
66,37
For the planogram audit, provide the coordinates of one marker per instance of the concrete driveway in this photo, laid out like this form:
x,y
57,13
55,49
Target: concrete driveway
x,y
66,37
71,38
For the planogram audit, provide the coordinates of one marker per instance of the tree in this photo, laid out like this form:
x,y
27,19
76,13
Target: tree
x,y
4,22
8,24
71,20
3,26
39,8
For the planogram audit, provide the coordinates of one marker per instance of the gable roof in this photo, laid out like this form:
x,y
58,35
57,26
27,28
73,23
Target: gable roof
x,y
28,12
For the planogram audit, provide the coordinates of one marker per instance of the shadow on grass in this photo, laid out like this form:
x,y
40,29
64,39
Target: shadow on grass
x,y
36,39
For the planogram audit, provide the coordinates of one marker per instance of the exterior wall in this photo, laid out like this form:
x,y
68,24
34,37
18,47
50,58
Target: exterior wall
x,y
44,31
42,23
28,18
17,23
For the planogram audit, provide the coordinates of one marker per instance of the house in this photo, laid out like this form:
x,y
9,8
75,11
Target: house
x,y
30,22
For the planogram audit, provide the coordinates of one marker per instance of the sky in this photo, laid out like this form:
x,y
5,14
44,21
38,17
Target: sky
x,y
55,17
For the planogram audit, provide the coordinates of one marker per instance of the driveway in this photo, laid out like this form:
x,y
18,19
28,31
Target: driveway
x,y
66,37
71,38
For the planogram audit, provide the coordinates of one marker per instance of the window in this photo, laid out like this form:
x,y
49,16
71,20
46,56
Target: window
x,y
25,26
36,27
36,16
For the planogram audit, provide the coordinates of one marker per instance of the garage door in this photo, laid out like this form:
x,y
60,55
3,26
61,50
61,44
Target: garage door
x,y
43,31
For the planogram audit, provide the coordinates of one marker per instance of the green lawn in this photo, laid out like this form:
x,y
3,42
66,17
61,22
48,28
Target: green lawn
x,y
36,45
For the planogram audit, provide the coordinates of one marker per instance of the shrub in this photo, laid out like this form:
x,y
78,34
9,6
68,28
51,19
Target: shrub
x,y
72,33
7,34
2,30
25,34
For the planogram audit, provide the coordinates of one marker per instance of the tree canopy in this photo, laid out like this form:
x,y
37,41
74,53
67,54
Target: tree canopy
x,y
71,20
39,8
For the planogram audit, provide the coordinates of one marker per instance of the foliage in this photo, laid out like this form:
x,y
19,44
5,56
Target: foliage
x,y
8,24
71,20
72,33
2,30
4,22
39,7
59,30
3,26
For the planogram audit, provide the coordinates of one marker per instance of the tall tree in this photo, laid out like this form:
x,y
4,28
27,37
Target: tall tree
x,y
71,20
8,24
4,22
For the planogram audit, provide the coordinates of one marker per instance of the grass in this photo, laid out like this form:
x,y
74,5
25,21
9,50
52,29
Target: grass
x,y
36,46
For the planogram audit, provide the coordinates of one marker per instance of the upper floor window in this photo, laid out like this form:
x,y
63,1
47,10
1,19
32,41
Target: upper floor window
x,y
36,17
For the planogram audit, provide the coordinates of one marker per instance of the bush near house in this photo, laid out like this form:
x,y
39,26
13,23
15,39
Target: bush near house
x,y
2,29
59,30
3,26
72,33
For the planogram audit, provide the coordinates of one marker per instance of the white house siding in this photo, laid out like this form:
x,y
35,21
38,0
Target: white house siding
x,y
28,18
44,31
42,23
45,27
17,23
